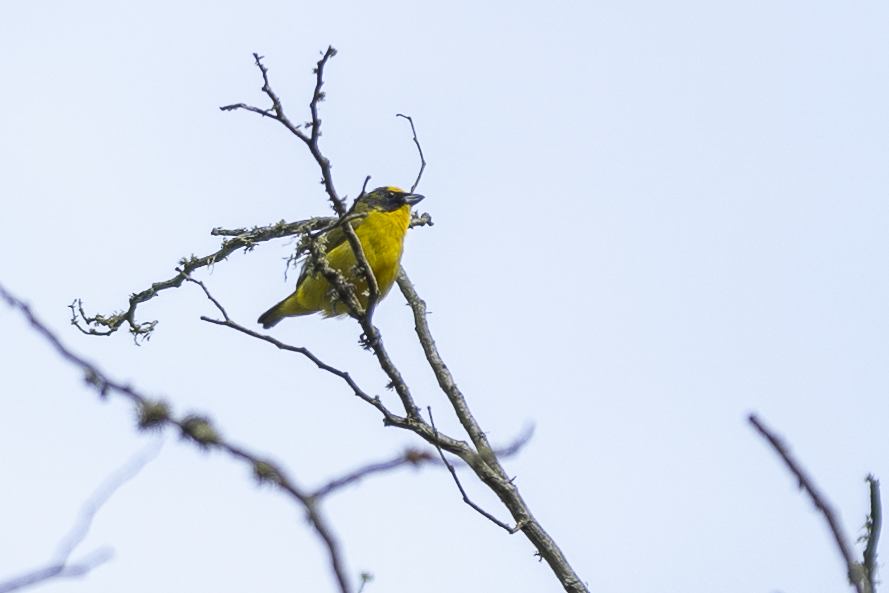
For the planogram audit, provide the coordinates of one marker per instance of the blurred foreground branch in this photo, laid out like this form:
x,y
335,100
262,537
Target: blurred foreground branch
x,y
59,566
155,414
861,574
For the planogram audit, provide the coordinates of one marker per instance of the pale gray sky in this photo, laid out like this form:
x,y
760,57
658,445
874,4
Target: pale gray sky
x,y
651,219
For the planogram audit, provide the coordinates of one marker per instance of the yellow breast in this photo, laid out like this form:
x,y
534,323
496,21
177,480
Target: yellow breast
x,y
382,237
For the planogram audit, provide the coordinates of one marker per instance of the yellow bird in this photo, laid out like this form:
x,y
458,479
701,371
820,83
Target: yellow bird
x,y
381,232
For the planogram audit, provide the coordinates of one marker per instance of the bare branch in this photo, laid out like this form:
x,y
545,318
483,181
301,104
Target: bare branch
x,y
276,112
437,439
417,219
806,483
372,400
209,296
434,437
246,240
419,149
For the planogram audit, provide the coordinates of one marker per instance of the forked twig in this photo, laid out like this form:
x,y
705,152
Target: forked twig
x,y
276,112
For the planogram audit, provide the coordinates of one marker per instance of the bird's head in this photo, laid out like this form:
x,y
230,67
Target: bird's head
x,y
385,199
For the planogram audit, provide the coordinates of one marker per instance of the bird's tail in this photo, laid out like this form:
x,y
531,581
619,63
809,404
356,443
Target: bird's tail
x,y
289,307
271,317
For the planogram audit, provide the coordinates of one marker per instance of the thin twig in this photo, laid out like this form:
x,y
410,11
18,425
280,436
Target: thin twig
x,y
466,498
318,96
209,296
417,219
374,401
806,483
419,149
276,112
451,445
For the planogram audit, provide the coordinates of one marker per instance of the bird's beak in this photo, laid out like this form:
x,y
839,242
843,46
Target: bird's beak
x,y
411,198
